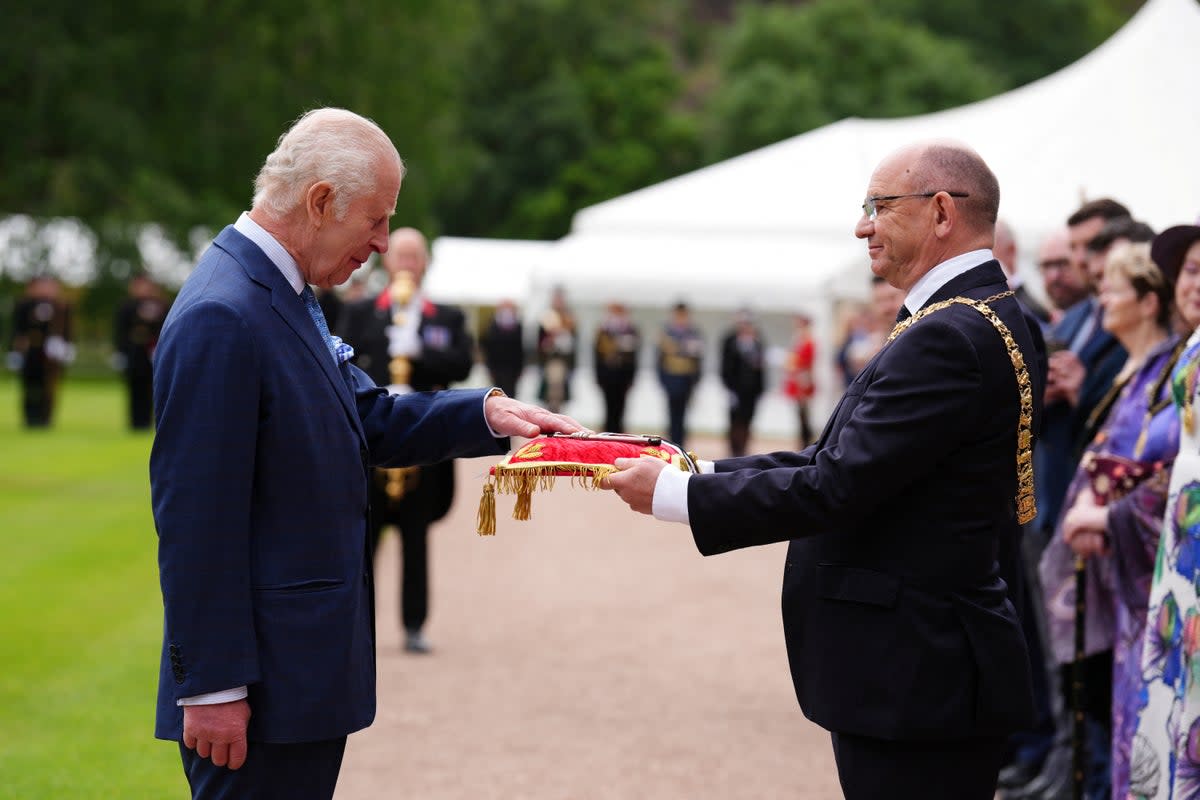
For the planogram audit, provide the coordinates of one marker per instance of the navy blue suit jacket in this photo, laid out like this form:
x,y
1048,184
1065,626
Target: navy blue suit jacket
x,y
903,529
258,478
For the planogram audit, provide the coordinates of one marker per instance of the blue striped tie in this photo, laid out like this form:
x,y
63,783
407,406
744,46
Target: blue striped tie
x,y
318,318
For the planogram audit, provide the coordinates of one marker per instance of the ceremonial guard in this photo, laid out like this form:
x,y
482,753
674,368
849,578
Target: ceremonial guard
x,y
138,322
743,357
407,343
40,347
616,353
680,357
556,345
504,348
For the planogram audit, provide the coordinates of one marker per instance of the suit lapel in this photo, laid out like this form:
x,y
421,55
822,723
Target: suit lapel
x,y
288,305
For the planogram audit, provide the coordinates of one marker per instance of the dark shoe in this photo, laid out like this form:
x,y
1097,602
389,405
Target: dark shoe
x,y
415,642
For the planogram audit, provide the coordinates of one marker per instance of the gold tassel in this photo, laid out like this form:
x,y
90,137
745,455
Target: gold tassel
x,y
485,523
524,505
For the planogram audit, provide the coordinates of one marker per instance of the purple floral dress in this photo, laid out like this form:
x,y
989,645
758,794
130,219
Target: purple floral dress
x,y
1143,426
1165,760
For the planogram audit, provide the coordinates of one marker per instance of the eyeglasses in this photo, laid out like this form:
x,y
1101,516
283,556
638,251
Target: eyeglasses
x,y
871,210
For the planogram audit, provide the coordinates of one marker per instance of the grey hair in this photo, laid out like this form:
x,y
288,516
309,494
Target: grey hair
x,y
955,168
325,144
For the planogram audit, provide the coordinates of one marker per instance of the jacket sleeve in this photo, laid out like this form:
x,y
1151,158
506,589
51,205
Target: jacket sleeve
x,y
923,399
206,388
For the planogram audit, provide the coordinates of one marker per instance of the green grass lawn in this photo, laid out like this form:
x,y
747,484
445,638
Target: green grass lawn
x,y
80,611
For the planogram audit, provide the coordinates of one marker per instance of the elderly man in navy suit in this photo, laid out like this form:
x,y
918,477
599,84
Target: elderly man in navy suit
x,y
904,518
260,468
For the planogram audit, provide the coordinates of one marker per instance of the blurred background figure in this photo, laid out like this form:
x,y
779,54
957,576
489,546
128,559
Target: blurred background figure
x,y
408,343
1005,251
742,371
871,329
616,350
136,326
41,347
680,358
799,384
556,351
503,347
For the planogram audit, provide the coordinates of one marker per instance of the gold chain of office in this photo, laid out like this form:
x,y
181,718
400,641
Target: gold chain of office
x,y
1026,505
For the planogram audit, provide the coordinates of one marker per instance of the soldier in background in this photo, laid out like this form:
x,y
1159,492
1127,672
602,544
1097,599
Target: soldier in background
x,y
503,347
743,370
407,343
136,327
616,352
41,347
556,349
680,358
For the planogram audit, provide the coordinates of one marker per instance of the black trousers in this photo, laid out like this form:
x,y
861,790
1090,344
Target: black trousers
x,y
878,769
141,399
414,570
304,771
614,408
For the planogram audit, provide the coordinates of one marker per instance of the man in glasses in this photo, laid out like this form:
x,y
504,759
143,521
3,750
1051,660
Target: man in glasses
x,y
904,518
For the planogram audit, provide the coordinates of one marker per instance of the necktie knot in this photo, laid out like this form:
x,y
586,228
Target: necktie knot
x,y
318,318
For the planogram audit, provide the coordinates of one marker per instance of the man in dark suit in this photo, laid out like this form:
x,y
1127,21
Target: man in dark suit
x,y
259,471
430,344
904,518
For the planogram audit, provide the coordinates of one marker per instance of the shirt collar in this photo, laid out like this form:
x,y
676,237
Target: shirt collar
x,y
273,250
942,274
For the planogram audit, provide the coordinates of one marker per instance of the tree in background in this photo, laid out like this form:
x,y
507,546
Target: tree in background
x,y
566,104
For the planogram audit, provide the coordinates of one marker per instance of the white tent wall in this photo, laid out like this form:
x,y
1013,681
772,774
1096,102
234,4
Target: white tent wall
x,y
773,229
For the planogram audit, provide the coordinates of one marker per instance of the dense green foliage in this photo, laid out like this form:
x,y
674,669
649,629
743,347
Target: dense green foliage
x,y
511,115
80,611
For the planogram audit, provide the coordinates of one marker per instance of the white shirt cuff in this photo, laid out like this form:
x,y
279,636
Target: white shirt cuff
x,y
670,495
212,698
495,391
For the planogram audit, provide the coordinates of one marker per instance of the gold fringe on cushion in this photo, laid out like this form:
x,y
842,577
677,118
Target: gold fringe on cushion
x,y
485,523
523,481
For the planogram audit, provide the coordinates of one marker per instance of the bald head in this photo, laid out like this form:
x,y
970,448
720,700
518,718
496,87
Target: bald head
x,y
408,251
933,200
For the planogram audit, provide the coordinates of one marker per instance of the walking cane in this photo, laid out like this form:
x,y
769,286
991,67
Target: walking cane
x,y
1078,730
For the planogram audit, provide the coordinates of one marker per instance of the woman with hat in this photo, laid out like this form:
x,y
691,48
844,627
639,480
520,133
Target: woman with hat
x,y
1165,747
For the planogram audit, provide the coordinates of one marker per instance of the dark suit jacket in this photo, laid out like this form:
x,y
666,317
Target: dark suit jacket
x,y
446,357
259,484
903,527
1064,432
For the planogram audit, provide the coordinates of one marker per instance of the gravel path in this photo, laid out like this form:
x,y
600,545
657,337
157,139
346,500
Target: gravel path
x,y
587,653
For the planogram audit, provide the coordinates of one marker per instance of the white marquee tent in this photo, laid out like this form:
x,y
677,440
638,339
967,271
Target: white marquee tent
x,y
772,229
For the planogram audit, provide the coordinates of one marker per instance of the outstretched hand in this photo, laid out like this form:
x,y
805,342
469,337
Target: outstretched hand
x,y
218,732
509,417
634,481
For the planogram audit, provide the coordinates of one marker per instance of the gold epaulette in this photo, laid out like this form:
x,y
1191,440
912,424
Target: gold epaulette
x,y
1026,505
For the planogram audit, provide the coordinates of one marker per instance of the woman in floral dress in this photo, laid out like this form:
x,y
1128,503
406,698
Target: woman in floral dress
x,y
1165,761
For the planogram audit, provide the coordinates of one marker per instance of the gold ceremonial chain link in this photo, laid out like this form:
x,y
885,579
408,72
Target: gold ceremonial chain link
x,y
1026,505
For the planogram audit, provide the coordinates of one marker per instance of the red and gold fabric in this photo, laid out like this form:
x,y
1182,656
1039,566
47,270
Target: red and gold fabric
x,y
585,459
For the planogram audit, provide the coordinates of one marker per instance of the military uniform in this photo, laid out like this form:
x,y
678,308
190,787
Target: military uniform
x,y
680,358
139,321
445,357
616,352
40,349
